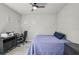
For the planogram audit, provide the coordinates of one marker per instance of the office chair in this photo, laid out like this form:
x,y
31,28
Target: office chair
x,y
22,38
25,36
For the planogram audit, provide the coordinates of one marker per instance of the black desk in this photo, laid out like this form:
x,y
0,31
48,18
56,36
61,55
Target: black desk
x,y
7,44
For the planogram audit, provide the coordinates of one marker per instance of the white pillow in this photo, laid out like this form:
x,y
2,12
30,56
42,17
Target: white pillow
x,y
4,35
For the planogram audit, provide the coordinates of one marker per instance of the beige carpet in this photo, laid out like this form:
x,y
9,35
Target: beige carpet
x,y
22,50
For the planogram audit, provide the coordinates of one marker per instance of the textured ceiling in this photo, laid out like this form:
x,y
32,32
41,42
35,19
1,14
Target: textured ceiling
x,y
25,8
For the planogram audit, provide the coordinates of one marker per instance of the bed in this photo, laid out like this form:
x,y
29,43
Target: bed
x,y
47,45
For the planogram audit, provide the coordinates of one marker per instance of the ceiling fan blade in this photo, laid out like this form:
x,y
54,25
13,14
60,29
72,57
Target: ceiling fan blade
x,y
41,6
33,4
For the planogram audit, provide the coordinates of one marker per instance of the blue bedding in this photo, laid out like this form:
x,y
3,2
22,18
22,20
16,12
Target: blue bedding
x,y
46,45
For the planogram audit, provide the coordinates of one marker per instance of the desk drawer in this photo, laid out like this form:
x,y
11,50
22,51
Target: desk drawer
x,y
7,46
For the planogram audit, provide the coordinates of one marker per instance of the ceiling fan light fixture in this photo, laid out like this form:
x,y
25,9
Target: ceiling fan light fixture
x,y
34,7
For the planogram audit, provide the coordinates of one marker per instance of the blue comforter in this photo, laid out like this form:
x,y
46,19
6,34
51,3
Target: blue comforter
x,y
46,45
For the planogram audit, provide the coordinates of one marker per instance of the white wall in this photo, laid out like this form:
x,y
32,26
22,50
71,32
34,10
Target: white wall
x,y
9,20
39,24
68,22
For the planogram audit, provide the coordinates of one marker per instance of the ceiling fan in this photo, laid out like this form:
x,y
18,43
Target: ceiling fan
x,y
37,5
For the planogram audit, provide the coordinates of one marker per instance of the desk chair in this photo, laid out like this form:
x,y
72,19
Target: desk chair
x,y
22,38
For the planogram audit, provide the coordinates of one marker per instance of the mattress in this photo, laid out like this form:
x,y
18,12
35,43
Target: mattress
x,y
47,45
